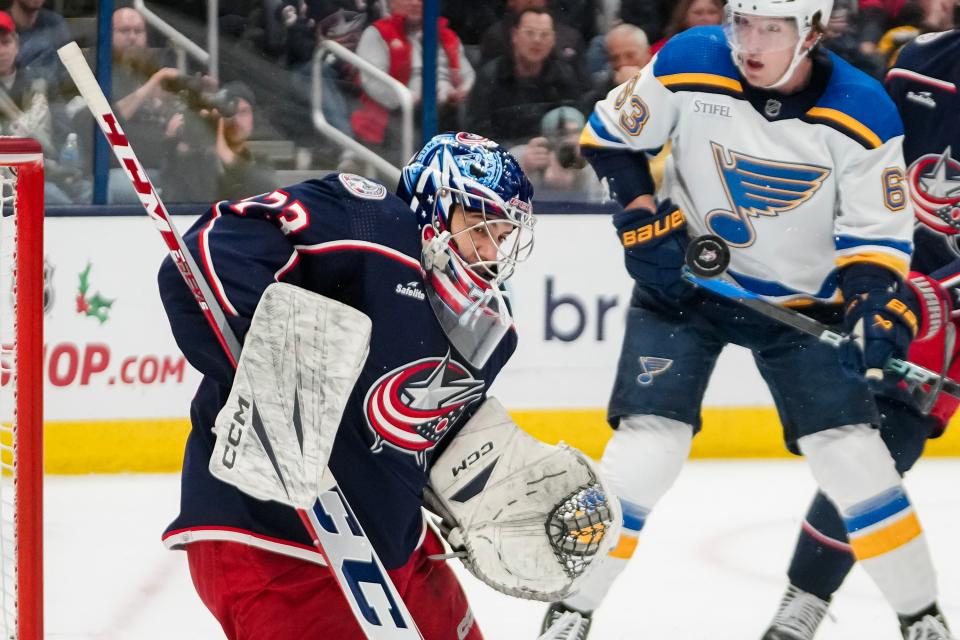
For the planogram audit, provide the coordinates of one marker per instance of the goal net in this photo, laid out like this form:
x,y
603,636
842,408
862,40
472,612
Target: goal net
x,y
21,388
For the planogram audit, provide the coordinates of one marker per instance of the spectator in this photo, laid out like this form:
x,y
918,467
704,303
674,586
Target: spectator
x,y
394,45
25,111
840,37
514,91
915,18
496,41
582,15
552,161
690,13
627,51
308,23
650,15
223,168
470,20
148,107
876,17
41,33
312,21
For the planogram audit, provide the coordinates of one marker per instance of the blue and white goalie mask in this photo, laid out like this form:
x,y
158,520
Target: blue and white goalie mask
x,y
474,208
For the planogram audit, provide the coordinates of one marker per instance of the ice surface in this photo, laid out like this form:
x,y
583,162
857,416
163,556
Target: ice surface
x,y
710,564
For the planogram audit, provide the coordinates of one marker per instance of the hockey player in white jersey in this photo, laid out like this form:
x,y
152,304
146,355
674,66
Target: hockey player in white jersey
x,y
794,158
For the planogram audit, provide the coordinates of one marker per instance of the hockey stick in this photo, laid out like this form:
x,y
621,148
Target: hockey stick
x,y
908,371
331,523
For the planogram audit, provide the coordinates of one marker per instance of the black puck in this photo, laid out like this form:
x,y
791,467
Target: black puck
x,y
708,256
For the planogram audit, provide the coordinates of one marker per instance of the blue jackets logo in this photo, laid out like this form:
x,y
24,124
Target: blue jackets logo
x,y
410,408
758,187
935,190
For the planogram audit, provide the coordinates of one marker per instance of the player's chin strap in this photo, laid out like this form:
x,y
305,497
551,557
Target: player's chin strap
x,y
798,55
528,518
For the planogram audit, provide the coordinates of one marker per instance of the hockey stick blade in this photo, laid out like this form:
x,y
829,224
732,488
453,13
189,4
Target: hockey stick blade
x,y
373,598
908,371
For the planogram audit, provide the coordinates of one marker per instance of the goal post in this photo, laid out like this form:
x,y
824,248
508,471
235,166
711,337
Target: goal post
x,y
21,388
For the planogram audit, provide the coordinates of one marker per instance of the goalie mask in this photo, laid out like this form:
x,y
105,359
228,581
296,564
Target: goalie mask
x,y
764,32
474,208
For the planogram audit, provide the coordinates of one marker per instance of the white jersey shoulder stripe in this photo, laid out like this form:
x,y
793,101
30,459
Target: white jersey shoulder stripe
x,y
207,259
906,74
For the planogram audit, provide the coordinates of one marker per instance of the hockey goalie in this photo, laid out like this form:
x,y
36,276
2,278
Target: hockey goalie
x,y
373,325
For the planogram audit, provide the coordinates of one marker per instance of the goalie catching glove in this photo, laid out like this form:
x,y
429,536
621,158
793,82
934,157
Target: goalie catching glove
x,y
527,518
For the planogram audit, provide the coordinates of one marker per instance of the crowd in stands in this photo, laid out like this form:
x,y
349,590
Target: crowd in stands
x,y
523,72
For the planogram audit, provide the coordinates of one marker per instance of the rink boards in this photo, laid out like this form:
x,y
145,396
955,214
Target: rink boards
x,y
118,389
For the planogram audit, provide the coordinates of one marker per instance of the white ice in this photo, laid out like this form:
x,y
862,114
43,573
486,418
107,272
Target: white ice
x,y
710,564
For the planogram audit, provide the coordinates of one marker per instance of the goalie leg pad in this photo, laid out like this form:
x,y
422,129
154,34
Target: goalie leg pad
x,y
854,469
530,518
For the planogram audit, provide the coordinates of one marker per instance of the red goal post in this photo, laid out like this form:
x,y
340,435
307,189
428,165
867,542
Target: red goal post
x,y
21,388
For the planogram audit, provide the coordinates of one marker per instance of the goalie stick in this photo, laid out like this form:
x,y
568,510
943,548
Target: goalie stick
x,y
330,523
908,371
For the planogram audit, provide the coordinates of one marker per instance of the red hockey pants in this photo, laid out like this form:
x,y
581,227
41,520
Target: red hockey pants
x,y
260,595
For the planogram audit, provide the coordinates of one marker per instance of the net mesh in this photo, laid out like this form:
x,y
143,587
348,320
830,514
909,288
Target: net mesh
x,y
578,525
8,414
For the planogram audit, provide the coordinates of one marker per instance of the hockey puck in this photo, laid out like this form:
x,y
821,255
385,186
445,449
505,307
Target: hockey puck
x,y
708,256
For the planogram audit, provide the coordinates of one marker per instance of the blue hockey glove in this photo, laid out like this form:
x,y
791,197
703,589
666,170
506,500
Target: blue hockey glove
x,y
654,246
881,324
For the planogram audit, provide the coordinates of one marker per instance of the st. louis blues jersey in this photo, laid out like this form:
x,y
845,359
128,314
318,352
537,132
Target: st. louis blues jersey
x,y
346,238
797,185
925,85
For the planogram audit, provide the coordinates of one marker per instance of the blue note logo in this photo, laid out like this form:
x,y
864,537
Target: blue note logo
x,y
758,187
650,367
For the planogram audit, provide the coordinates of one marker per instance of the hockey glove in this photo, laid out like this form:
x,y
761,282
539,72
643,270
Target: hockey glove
x,y
531,520
654,246
881,326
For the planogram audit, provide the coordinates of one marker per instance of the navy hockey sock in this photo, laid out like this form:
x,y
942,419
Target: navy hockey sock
x,y
822,558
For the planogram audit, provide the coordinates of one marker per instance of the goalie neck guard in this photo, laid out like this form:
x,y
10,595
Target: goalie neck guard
x,y
473,205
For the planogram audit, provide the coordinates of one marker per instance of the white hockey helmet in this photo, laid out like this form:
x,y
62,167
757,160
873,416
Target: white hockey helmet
x,y
805,14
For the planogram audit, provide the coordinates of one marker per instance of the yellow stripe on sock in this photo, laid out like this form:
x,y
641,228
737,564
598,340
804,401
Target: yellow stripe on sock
x,y
887,539
626,545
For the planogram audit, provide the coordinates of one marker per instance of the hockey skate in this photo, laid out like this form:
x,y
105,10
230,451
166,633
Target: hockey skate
x,y
564,623
798,617
929,627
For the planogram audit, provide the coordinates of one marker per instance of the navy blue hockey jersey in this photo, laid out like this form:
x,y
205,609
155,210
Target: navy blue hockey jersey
x,y
347,238
925,85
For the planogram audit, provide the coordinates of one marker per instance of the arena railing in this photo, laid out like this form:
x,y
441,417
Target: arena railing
x,y
181,42
390,171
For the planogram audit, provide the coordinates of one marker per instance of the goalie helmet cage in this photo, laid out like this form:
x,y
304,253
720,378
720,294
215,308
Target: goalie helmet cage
x,y
21,388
